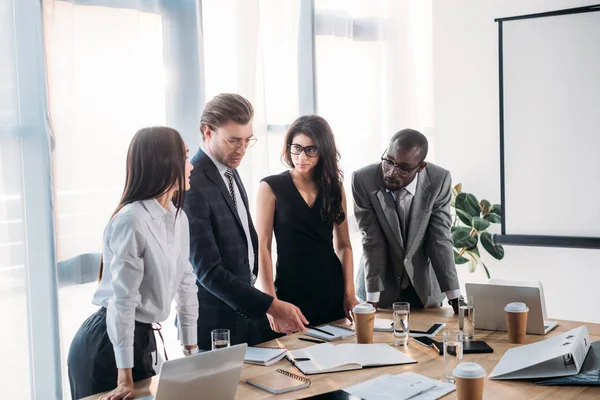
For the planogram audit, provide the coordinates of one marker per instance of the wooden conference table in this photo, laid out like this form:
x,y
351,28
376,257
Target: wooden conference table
x,y
429,364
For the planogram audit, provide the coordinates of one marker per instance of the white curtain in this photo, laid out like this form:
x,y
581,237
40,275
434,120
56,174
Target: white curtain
x,y
113,68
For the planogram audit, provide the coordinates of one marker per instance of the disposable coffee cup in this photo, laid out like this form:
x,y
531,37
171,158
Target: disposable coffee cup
x,y
364,319
516,322
468,378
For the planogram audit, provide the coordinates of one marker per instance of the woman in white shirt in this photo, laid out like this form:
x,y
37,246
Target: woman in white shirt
x,y
145,266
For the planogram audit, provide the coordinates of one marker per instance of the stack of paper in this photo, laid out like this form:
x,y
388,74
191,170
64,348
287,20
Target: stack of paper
x,y
401,387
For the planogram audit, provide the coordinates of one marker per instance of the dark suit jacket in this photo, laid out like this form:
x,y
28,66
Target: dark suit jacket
x,y
426,256
219,255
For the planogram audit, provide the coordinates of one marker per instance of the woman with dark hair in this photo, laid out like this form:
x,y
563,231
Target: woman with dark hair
x,y
306,208
144,267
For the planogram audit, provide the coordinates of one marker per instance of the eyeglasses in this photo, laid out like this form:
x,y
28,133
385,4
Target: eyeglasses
x,y
310,151
390,165
238,143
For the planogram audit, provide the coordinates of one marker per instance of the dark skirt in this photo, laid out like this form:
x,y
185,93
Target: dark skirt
x,y
91,360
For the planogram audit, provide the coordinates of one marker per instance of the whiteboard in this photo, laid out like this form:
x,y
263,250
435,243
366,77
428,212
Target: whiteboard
x,y
551,87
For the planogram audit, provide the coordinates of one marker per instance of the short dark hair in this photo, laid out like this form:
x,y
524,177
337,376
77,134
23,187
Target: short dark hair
x,y
224,108
409,139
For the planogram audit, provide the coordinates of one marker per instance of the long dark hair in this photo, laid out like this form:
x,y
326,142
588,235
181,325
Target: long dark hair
x,y
327,173
155,163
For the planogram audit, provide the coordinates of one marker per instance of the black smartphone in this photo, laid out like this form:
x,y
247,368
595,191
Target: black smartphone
x,y
435,328
472,347
424,340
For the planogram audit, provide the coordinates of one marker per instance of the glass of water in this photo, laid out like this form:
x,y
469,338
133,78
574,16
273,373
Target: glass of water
x,y
466,317
453,352
220,338
401,323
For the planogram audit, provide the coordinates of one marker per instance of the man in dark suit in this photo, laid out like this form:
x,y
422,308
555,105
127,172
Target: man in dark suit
x,y
402,206
223,242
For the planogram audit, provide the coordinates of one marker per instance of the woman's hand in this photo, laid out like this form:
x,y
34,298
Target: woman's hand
x,y
124,389
349,302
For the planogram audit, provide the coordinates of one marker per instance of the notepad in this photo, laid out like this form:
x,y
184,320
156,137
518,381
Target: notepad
x,y
326,357
279,381
264,355
339,332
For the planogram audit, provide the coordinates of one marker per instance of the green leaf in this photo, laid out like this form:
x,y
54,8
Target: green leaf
x,y
464,217
496,209
486,207
458,259
495,250
487,272
492,217
461,237
468,203
480,224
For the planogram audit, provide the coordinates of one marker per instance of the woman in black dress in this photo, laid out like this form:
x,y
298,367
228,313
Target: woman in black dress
x,y
306,208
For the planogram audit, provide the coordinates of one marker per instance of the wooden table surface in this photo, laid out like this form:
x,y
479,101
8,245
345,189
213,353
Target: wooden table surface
x,y
429,363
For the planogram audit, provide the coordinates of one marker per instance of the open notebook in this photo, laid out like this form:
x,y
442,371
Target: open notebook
x,y
326,357
339,332
279,381
264,355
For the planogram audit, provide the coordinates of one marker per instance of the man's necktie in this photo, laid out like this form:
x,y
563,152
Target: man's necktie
x,y
229,176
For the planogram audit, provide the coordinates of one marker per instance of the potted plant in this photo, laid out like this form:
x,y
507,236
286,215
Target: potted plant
x,y
471,220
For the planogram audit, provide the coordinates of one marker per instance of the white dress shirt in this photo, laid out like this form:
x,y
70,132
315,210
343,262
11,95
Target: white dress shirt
x,y
405,205
242,212
146,265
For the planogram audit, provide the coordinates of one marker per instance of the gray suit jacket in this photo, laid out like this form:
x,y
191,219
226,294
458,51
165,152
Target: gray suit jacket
x,y
427,256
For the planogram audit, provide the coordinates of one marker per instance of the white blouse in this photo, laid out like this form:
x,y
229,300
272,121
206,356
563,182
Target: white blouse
x,y
146,266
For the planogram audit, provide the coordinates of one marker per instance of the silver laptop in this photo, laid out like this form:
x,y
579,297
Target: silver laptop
x,y
208,375
491,297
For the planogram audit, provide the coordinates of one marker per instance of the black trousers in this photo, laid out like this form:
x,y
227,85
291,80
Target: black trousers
x,y
409,295
91,361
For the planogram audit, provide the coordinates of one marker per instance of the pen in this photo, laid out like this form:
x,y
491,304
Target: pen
x,y
311,340
319,330
300,359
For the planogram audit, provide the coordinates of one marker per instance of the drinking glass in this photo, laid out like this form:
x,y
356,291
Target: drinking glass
x,y
220,338
453,352
466,317
401,323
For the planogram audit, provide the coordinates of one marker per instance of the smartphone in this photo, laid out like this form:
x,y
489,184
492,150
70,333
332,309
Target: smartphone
x,y
424,340
435,328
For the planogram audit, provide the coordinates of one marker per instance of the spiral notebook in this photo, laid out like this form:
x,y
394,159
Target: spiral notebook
x,y
264,355
279,381
338,332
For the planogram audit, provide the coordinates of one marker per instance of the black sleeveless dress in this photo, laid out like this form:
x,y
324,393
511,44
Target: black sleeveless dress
x,y
309,273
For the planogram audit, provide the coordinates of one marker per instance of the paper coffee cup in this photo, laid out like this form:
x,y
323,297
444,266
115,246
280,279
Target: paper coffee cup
x,y
516,322
364,319
468,378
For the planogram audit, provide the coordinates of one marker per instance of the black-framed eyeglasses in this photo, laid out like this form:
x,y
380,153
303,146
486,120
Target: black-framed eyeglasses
x,y
238,143
310,151
390,165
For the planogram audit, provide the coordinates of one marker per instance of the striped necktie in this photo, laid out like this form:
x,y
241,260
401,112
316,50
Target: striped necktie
x,y
229,176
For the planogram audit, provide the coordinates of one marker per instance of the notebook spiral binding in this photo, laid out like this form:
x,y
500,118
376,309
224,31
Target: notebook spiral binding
x,y
268,348
292,375
344,328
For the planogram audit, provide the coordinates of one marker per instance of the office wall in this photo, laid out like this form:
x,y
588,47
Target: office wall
x,y
465,69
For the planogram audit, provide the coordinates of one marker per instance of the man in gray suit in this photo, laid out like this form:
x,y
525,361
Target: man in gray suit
x,y
402,205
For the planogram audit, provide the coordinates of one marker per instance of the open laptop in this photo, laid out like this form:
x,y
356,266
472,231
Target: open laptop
x,y
491,297
208,375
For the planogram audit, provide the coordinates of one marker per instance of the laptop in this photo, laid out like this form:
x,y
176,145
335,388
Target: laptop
x,y
208,375
491,297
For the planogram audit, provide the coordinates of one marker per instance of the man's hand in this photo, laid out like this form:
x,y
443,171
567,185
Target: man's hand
x,y
286,317
454,304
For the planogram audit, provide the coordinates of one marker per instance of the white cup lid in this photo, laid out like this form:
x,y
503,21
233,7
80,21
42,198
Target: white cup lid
x,y
364,308
468,370
516,307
